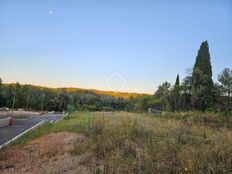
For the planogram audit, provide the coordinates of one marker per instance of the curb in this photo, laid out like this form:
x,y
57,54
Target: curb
x,y
33,127
61,118
15,138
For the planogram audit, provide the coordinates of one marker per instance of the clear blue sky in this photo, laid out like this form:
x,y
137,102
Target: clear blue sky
x,y
82,43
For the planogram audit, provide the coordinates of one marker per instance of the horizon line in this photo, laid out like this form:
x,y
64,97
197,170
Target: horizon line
x,y
93,89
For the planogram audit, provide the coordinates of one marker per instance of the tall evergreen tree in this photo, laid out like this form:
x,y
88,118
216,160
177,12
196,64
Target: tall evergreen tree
x,y
202,83
177,93
177,80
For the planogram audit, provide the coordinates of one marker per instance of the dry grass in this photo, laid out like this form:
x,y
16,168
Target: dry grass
x,y
124,142
136,143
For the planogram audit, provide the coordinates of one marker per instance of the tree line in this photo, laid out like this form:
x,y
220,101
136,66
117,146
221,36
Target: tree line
x,y
197,91
29,97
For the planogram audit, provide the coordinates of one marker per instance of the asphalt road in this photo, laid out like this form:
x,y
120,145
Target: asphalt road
x,y
19,126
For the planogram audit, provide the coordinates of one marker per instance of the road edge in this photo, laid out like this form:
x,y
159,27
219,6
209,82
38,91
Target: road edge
x,y
61,118
16,137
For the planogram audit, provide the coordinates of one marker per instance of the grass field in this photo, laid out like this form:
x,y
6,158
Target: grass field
x,y
124,142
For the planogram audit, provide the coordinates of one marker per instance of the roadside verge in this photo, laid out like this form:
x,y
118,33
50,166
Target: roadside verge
x,y
16,137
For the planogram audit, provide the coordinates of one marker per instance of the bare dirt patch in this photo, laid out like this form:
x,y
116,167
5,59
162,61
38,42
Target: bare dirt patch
x,y
48,154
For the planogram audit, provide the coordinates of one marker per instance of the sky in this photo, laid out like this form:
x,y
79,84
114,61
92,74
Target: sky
x,y
137,44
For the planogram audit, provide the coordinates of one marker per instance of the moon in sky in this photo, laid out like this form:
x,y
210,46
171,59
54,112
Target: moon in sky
x,y
50,12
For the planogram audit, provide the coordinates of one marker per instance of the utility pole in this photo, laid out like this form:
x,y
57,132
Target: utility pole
x,y
13,103
42,102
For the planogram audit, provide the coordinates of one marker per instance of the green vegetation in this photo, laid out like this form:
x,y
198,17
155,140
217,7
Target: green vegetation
x,y
202,83
192,136
31,97
123,142
196,91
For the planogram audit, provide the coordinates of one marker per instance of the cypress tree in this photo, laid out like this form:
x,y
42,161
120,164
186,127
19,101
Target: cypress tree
x,y
177,80
177,93
202,83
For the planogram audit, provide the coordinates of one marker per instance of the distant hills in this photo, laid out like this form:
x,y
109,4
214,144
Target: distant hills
x,y
82,90
102,92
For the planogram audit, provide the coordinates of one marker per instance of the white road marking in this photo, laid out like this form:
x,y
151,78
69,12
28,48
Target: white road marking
x,y
16,137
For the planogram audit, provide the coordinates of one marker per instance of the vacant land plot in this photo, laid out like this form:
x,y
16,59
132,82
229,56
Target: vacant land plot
x,y
120,142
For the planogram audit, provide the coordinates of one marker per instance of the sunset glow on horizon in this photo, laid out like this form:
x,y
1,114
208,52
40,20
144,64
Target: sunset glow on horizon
x,y
82,43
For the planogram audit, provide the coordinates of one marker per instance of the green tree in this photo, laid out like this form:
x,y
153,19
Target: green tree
x,y
202,83
225,78
185,90
218,98
176,93
163,93
186,93
162,90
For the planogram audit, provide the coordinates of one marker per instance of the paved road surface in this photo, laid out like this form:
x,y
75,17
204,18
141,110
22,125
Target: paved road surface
x,y
19,126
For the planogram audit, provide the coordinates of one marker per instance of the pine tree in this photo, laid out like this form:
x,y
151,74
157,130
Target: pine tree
x,y
202,83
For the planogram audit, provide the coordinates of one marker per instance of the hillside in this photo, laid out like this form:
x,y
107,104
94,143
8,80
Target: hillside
x,y
82,90
102,92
